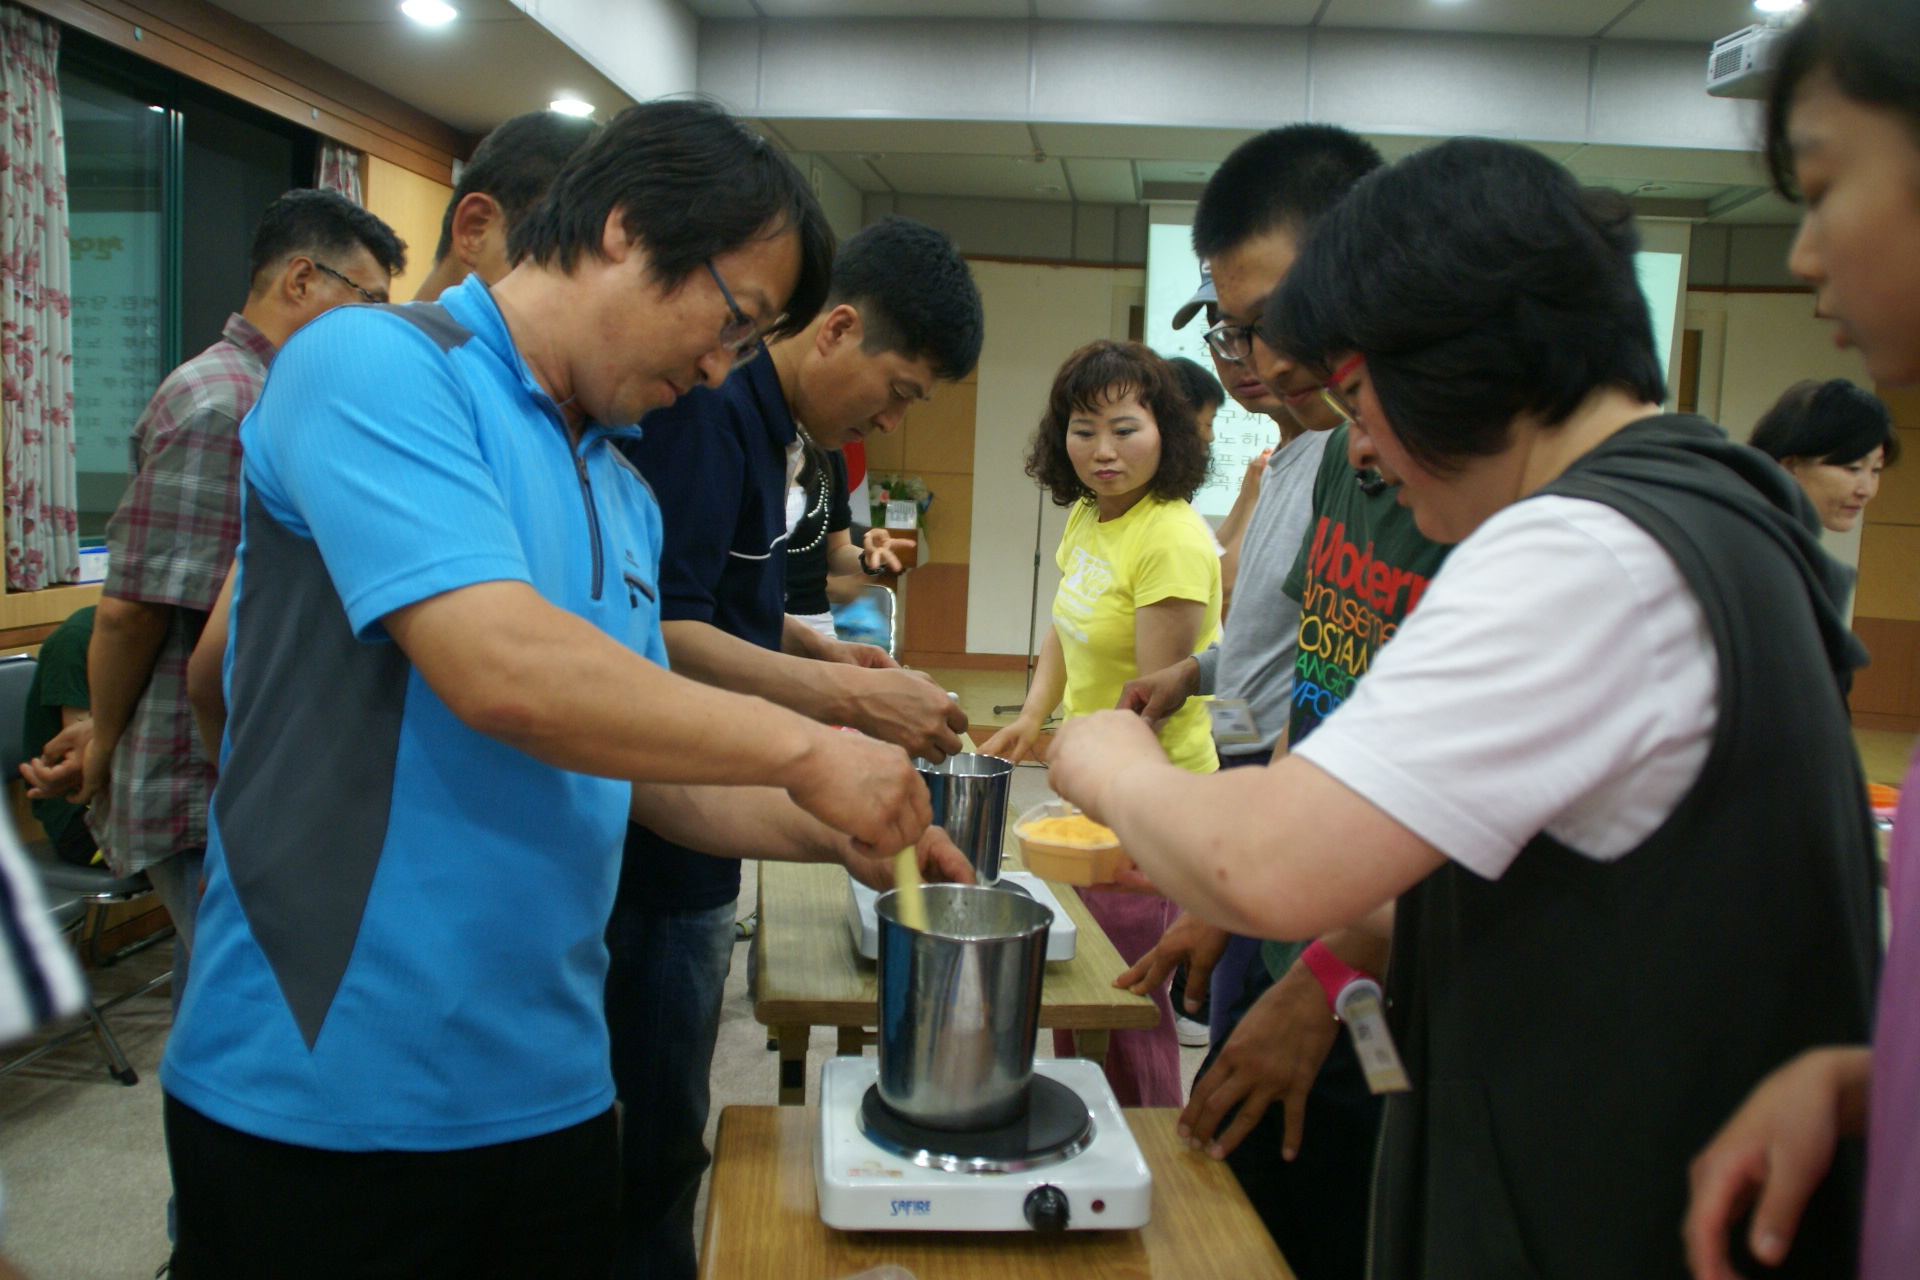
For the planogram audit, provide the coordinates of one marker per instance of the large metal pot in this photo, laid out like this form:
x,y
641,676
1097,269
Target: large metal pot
x,y
960,1006
969,795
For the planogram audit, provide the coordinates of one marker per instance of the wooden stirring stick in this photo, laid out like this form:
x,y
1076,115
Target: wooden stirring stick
x,y
906,879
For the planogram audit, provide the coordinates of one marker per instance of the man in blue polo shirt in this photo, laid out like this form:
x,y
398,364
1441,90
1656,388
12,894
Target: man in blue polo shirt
x,y
902,315
447,698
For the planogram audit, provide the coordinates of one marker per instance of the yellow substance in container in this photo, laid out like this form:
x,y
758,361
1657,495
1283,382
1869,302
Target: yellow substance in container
x,y
1076,831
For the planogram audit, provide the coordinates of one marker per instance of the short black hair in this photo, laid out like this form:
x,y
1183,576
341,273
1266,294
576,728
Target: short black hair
x,y
1872,50
515,164
1481,283
1832,421
320,224
691,183
914,294
1103,371
1283,178
1200,387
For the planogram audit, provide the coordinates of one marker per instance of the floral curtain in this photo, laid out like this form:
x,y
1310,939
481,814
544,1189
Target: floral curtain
x,y
340,171
36,330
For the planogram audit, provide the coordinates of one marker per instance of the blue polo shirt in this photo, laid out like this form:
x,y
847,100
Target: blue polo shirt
x,y
717,458
401,944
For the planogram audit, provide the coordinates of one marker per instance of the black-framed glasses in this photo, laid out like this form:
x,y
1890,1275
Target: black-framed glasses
x,y
739,337
1231,342
342,278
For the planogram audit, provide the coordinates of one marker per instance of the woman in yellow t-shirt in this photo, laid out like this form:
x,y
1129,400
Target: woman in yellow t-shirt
x,y
1140,591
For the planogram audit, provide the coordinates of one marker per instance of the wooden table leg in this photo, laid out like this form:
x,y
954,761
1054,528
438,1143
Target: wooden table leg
x,y
1091,1044
853,1041
793,1064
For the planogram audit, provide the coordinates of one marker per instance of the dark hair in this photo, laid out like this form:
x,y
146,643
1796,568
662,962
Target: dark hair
x,y
691,183
515,164
1283,178
320,224
914,293
1872,50
1201,388
1103,371
1481,282
1832,421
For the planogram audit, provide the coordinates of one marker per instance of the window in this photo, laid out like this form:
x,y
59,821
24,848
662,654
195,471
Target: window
x,y
166,179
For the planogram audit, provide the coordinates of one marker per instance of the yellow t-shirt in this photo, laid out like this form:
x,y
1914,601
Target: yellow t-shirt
x,y
1158,551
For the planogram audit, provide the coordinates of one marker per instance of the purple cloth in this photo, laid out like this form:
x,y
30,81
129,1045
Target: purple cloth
x,y
1224,986
1142,1066
1891,1244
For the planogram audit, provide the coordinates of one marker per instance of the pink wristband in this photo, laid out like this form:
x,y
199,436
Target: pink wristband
x,y
1333,972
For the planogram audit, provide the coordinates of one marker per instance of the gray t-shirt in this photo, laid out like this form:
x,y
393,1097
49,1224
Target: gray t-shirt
x,y
1254,659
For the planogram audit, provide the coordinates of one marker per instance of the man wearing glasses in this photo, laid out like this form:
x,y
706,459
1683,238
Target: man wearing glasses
x,y
173,536
448,696
902,316
1312,605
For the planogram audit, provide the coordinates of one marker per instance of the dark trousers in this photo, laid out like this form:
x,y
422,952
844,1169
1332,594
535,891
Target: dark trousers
x,y
1316,1205
667,976
254,1209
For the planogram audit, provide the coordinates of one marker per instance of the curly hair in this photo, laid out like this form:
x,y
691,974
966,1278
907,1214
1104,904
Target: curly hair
x,y
1101,372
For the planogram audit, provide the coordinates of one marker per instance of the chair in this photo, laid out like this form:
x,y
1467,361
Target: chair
x,y
71,890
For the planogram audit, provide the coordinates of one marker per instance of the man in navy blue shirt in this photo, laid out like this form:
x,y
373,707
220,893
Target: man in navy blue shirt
x,y
902,316
448,699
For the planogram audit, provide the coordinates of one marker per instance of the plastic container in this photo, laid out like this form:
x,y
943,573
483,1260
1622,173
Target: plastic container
x,y
1067,863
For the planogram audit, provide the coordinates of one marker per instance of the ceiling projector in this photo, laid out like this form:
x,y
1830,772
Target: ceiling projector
x,y
1741,65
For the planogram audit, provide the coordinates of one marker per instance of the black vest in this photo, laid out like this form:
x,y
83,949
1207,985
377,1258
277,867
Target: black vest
x,y
1576,1031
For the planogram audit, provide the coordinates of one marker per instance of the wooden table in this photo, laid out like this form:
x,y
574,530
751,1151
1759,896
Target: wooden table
x,y
763,1219
809,975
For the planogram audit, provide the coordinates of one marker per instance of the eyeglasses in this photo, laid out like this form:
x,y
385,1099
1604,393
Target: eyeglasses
x,y
1330,395
740,337
1231,342
341,277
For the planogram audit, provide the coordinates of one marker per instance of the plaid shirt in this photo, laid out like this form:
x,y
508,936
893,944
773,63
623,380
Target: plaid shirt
x,y
170,543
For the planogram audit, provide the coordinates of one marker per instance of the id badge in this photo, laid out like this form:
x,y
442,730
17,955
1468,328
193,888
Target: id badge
x,y
1360,1008
1233,724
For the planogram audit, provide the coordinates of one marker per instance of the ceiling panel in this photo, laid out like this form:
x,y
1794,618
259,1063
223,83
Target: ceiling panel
x,y
855,169
472,75
1102,181
1700,20
1768,208
1139,142
1290,13
1578,18
893,8
997,177
1669,164
930,137
723,8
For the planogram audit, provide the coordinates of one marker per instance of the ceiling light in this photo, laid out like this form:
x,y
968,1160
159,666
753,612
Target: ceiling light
x,y
1775,6
1651,188
429,13
571,106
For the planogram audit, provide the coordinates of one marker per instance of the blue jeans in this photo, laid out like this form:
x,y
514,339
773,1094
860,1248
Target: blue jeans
x,y
664,986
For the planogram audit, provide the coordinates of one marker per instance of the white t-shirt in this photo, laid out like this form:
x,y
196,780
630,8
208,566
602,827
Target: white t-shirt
x,y
1558,675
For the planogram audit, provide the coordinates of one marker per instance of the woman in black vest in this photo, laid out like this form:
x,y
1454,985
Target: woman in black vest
x,y
1603,767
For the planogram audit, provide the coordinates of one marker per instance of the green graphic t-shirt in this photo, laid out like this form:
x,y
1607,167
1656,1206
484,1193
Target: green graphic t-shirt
x,y
1363,568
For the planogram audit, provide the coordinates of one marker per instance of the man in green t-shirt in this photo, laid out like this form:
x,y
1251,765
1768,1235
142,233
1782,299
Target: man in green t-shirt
x,y
56,701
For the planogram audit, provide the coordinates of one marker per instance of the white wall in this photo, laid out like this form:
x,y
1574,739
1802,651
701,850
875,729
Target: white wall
x,y
1036,317
1756,345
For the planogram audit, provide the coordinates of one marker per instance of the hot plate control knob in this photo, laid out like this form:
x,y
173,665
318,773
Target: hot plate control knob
x,y
1047,1210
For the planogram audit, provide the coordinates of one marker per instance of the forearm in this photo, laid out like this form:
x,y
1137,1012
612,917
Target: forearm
x,y
1281,852
1049,681
844,561
204,672
127,636
513,667
736,822
1362,944
811,687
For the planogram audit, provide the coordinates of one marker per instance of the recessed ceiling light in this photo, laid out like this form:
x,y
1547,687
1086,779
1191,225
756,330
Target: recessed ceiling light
x,y
429,13
1194,173
160,109
570,106
1049,187
1775,6
1651,188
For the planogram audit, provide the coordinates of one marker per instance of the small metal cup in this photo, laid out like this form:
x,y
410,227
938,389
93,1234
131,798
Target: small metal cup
x,y
960,1006
969,794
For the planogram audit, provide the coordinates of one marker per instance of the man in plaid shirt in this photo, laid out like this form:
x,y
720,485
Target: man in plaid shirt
x,y
174,535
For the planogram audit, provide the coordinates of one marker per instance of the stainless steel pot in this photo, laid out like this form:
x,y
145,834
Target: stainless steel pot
x,y
969,794
960,1006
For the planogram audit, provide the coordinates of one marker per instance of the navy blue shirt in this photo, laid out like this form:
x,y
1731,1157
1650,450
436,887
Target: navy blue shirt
x,y
717,461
